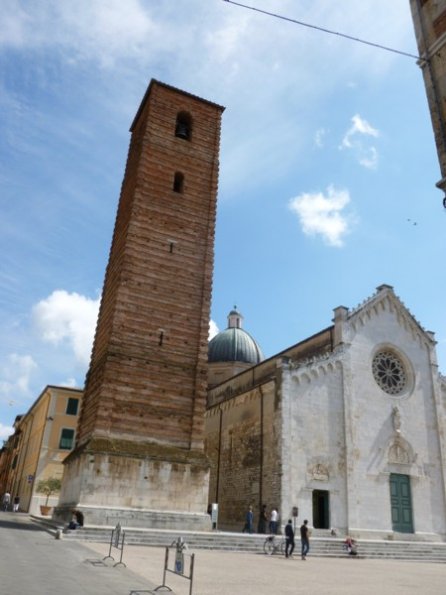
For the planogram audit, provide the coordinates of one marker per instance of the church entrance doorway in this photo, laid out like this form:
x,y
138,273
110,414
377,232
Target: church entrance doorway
x,y
401,503
321,517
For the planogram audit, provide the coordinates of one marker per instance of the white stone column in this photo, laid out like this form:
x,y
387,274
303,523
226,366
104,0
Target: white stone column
x,y
286,433
351,488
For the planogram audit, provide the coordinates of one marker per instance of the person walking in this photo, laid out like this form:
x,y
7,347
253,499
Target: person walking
x,y
6,501
273,521
289,534
305,539
249,521
263,520
16,503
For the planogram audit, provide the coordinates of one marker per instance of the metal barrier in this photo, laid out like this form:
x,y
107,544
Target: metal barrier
x,y
117,541
179,565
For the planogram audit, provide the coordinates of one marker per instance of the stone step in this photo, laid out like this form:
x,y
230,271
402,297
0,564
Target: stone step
x,y
320,546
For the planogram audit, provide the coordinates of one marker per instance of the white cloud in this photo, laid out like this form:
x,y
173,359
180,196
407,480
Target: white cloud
x,y
355,139
319,137
226,40
370,159
15,376
69,383
213,49
213,330
322,215
68,318
359,126
5,431
103,29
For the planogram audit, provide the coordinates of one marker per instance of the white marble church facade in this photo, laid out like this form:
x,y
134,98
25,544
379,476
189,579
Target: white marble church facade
x,y
357,428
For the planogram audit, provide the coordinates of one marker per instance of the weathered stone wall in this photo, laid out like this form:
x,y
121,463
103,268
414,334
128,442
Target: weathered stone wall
x,y
155,489
242,443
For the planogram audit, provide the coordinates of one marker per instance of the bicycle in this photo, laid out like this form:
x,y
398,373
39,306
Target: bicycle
x,y
274,545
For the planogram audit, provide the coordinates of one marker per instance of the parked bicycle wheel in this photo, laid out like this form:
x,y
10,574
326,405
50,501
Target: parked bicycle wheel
x,y
269,546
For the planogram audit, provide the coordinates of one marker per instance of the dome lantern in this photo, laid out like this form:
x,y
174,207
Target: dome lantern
x,y
235,319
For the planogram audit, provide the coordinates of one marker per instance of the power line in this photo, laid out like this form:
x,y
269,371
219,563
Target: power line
x,y
295,21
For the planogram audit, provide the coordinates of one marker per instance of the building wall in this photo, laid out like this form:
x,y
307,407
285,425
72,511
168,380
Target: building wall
x,y
331,431
370,423
242,443
142,421
343,432
218,372
8,460
314,439
32,428
429,17
35,446
244,423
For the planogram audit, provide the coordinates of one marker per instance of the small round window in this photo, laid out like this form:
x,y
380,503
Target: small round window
x,y
388,371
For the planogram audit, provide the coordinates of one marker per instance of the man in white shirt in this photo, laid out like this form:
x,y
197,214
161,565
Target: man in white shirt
x,y
274,521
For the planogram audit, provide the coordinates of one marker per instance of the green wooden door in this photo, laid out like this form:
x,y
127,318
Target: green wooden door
x,y
401,503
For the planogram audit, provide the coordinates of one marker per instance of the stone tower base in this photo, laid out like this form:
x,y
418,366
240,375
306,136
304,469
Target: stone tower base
x,y
150,486
136,518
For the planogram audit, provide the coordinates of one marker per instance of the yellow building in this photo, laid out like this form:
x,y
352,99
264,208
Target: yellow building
x,y
42,439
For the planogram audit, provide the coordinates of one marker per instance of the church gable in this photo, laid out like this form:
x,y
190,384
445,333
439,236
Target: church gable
x,y
384,318
386,301
390,355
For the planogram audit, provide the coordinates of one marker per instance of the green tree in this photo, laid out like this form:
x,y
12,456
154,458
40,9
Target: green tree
x,y
49,486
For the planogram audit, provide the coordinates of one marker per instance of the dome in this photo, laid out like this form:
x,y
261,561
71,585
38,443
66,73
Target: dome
x,y
234,344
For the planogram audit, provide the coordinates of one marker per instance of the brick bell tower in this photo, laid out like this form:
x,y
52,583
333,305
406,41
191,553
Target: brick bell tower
x,y
139,448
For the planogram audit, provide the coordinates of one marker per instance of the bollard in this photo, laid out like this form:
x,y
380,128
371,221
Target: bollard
x,y
178,566
180,546
117,541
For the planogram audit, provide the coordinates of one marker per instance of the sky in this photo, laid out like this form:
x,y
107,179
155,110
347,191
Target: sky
x,y
327,167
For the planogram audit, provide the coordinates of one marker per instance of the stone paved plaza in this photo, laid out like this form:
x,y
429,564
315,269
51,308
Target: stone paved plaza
x,y
33,562
231,573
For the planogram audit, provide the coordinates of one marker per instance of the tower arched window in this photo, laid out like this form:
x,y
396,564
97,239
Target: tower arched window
x,y
178,182
183,127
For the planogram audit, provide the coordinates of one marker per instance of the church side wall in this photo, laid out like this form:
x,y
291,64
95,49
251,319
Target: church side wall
x,y
242,439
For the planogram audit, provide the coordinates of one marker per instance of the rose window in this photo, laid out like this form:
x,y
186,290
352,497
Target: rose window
x,y
388,372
